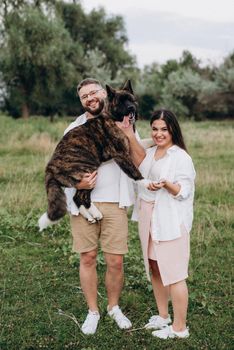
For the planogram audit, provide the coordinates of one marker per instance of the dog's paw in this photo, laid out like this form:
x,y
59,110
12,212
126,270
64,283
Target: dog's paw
x,y
95,213
98,218
91,221
86,214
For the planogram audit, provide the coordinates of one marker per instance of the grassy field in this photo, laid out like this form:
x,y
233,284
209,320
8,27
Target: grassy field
x,y
42,306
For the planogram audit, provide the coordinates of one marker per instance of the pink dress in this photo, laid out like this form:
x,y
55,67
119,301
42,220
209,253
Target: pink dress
x,y
172,256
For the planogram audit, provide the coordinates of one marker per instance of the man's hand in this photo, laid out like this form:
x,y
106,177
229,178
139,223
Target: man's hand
x,y
88,181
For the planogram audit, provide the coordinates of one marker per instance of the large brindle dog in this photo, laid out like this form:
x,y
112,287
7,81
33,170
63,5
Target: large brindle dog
x,y
83,149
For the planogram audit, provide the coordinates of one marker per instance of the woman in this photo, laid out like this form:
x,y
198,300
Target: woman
x,y
165,214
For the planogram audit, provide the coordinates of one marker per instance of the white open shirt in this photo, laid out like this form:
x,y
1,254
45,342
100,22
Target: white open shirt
x,y
169,211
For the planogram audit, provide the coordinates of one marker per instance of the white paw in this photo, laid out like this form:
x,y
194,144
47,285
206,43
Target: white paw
x,y
96,214
91,221
86,214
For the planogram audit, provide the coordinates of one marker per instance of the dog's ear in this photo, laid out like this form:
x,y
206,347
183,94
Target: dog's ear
x,y
128,86
110,92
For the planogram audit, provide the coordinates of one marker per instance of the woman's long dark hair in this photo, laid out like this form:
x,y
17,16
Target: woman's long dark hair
x,y
172,125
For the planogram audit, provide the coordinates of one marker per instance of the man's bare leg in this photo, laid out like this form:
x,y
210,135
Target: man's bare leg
x,y
88,278
114,278
114,285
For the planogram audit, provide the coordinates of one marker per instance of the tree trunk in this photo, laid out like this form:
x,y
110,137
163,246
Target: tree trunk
x,y
52,118
25,111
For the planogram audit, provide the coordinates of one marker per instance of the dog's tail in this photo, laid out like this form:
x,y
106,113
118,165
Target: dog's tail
x,y
57,205
44,222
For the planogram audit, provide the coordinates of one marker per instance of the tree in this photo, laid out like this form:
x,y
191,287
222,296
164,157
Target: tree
x,y
36,59
47,46
189,61
169,67
217,96
180,92
148,89
98,32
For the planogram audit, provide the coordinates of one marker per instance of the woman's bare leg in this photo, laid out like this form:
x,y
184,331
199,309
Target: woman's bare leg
x,y
161,293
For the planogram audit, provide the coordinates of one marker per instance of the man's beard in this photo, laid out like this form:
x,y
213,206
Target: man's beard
x,y
97,110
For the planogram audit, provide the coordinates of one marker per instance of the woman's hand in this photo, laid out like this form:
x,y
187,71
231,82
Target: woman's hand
x,y
155,186
169,186
127,127
88,181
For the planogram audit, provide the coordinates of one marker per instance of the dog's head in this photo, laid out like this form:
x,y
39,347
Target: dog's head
x,y
122,103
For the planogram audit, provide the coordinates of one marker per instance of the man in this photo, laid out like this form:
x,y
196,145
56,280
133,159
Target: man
x,y
112,193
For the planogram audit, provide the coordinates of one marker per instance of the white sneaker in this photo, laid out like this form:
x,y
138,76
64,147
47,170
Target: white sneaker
x,y
122,321
168,332
158,322
90,324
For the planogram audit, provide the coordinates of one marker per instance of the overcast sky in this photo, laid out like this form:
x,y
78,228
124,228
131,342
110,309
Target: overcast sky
x,y
159,30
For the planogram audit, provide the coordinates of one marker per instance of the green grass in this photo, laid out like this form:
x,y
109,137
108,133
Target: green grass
x,y
42,304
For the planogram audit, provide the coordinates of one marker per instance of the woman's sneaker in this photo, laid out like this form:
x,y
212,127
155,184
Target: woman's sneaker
x,y
168,332
122,321
158,322
91,322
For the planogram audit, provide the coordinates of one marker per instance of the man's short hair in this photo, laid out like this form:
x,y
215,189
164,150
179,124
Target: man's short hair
x,y
87,81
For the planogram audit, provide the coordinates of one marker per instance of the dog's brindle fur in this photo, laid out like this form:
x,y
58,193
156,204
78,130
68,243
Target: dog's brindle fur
x,y
84,148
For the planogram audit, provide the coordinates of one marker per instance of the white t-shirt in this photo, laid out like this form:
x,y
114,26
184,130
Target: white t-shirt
x,y
107,185
154,175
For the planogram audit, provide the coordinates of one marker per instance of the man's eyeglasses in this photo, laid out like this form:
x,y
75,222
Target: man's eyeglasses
x,y
91,93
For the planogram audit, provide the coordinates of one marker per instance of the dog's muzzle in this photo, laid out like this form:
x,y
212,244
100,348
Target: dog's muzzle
x,y
132,117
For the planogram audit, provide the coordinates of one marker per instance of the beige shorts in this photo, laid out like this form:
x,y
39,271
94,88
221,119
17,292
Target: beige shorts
x,y
111,231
